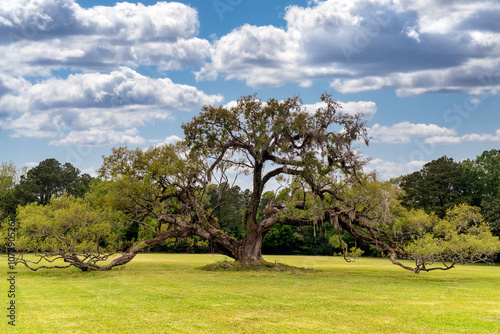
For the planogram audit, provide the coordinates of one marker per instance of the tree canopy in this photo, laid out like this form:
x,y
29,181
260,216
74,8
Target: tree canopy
x,y
437,187
50,178
9,177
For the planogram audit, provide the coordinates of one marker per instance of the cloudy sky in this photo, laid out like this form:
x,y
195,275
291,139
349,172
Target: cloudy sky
x,y
80,77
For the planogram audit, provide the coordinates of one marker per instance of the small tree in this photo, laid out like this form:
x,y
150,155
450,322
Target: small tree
x,y
461,237
69,229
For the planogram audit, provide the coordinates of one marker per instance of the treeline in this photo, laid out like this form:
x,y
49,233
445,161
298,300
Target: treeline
x,y
439,186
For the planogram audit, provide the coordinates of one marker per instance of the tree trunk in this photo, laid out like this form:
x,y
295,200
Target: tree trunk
x,y
249,250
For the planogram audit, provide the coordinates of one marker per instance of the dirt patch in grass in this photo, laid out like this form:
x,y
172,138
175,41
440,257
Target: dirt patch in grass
x,y
263,266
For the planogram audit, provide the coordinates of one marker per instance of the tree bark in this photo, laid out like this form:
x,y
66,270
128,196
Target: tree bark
x,y
249,251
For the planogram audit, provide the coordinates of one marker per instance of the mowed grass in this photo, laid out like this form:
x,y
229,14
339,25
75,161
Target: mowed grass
x,y
166,293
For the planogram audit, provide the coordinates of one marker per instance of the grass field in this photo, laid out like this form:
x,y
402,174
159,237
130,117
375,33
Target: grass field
x,y
165,293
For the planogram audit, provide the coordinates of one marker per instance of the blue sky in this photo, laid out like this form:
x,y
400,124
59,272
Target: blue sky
x,y
78,78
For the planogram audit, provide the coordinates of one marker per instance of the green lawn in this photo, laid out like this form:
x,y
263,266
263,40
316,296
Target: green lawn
x,y
165,293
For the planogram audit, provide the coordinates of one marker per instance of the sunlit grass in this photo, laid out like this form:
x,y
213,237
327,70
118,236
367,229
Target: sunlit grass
x,y
165,293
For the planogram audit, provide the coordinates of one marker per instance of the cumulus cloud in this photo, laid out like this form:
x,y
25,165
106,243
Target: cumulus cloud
x,y
365,108
414,47
89,104
168,140
473,137
124,87
104,100
98,137
391,169
403,132
45,35
474,77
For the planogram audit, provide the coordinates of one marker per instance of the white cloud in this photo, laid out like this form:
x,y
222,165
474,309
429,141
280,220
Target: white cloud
x,y
168,140
367,108
91,171
29,165
117,89
231,104
412,33
33,125
105,98
119,100
412,47
404,131
473,137
43,35
390,169
96,137
473,77
443,140
475,101
444,17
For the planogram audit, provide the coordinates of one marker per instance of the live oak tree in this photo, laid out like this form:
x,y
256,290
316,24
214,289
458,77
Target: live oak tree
x,y
163,189
270,140
309,155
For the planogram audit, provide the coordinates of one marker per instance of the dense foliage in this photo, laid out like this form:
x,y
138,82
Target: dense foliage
x,y
443,183
39,184
73,229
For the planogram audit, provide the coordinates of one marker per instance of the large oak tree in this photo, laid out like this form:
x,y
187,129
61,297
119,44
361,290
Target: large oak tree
x,y
309,155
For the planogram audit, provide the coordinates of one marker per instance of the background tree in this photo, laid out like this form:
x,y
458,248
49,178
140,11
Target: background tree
x,y
9,177
442,183
487,166
438,186
491,211
486,171
230,212
50,178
